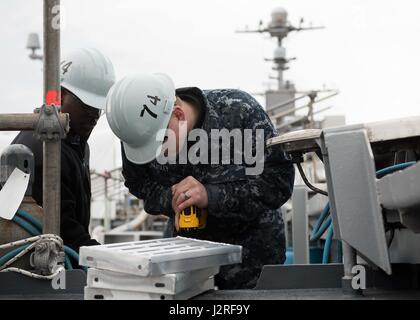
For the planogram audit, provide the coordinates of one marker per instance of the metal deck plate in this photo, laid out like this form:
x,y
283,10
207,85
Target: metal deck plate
x,y
160,256
108,294
167,284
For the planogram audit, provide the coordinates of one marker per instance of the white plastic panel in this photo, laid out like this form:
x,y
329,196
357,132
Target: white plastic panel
x,y
109,294
167,284
160,256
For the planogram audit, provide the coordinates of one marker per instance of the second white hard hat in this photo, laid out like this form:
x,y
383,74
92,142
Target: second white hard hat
x,y
89,75
138,107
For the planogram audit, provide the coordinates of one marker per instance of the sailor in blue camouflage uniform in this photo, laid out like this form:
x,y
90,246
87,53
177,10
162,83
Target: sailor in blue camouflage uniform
x,y
242,209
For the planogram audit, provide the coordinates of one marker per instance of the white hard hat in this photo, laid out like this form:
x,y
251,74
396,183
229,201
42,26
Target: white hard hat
x,y
89,75
138,107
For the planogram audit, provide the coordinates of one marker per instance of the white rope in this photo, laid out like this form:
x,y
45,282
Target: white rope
x,y
24,252
18,256
35,275
33,239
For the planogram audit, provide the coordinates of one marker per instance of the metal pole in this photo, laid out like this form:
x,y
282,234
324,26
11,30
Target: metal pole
x,y
27,122
349,261
107,222
280,67
300,226
312,97
52,99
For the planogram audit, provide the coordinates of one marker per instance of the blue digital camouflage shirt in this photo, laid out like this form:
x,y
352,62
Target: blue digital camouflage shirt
x,y
243,209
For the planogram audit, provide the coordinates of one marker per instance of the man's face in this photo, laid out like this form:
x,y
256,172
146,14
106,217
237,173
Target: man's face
x,y
180,124
83,118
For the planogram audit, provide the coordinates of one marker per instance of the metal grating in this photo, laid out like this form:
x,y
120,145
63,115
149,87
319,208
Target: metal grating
x,y
160,256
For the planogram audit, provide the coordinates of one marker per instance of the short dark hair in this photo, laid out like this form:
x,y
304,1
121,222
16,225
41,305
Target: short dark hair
x,y
195,97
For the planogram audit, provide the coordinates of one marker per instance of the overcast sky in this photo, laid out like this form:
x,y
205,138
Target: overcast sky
x,y
369,50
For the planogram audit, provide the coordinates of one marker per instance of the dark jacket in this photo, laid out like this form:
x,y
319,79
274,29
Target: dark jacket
x,y
243,209
75,186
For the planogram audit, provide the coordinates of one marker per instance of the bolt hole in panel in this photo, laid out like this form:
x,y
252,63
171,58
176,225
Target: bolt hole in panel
x,y
159,257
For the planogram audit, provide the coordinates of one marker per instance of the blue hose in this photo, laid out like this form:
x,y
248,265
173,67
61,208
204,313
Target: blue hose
x,y
318,225
26,226
391,169
318,234
67,263
12,254
71,253
321,226
379,174
327,245
35,222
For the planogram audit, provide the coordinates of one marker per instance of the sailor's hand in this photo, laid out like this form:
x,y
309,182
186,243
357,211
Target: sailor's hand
x,y
177,221
189,192
177,212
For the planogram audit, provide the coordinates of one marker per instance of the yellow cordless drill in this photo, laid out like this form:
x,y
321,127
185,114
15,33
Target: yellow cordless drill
x,y
192,218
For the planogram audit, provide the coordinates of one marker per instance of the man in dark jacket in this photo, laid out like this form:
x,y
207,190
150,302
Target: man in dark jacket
x,y
242,208
86,77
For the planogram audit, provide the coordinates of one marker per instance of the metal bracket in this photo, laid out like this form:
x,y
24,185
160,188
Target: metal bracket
x,y
49,126
46,257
